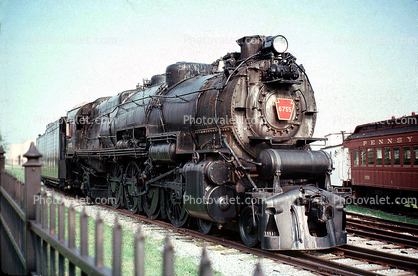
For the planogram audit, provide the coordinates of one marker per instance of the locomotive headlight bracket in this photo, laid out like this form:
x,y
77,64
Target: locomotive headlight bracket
x,y
276,43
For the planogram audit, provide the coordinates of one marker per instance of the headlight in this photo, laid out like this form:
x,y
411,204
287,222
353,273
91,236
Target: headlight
x,y
278,43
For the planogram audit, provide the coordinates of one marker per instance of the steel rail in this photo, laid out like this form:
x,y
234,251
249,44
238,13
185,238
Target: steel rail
x,y
370,231
379,257
383,223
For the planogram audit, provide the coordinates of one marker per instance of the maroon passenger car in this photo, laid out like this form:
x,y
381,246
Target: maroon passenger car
x,y
384,157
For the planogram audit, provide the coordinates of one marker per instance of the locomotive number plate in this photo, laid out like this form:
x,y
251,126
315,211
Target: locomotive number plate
x,y
284,108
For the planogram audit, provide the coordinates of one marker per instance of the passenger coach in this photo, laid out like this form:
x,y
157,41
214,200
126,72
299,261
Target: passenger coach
x,y
384,157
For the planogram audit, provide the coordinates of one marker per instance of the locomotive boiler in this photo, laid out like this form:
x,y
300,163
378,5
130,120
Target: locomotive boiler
x,y
225,145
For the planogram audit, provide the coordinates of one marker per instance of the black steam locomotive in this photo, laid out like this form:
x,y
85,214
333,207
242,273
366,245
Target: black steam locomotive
x,y
224,144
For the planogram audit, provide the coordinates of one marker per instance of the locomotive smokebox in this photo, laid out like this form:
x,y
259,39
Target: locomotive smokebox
x,y
293,164
250,45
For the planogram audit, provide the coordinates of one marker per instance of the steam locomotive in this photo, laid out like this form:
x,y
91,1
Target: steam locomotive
x,y
223,144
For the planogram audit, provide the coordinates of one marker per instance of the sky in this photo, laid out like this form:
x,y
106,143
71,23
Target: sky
x,y
361,56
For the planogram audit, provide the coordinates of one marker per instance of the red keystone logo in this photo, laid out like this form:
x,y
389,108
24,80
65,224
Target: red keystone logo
x,y
284,108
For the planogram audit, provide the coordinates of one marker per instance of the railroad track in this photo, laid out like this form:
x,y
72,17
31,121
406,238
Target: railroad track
x,y
400,233
318,262
382,258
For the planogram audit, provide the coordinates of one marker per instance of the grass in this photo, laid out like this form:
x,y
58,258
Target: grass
x,y
17,171
380,214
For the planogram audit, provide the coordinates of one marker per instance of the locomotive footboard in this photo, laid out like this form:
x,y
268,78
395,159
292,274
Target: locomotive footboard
x,y
301,218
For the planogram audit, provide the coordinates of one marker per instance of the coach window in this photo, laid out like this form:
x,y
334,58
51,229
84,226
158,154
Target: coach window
x,y
378,156
370,156
396,156
387,155
406,155
356,158
363,157
415,155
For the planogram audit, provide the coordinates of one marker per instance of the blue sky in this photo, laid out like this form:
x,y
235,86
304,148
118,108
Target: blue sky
x,y
361,56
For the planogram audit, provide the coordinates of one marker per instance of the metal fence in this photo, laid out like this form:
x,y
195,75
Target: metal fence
x,y
31,244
